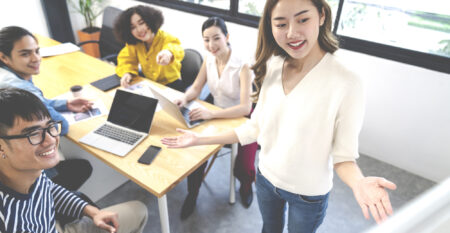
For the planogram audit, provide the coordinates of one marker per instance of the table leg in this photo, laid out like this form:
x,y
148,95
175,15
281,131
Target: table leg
x,y
234,148
163,214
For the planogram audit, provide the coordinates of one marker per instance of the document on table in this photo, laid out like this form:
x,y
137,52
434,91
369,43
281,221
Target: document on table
x,y
98,109
58,49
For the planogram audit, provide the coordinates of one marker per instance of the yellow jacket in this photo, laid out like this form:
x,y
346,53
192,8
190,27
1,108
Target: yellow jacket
x,y
132,55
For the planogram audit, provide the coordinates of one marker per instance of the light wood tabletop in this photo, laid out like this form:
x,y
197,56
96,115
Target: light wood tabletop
x,y
60,72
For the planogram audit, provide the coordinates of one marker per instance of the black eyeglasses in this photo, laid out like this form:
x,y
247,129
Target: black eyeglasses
x,y
37,136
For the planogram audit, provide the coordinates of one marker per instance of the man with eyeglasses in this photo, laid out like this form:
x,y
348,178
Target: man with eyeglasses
x,y
29,200
19,60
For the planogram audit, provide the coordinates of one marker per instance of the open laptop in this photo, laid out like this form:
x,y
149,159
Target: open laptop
x,y
129,122
179,113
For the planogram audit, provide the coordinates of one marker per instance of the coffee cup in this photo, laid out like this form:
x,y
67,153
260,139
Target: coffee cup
x,y
76,90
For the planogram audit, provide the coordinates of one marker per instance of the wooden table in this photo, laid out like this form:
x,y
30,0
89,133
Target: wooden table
x,y
170,167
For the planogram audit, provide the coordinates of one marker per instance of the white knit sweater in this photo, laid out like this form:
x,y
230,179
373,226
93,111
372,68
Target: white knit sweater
x,y
303,133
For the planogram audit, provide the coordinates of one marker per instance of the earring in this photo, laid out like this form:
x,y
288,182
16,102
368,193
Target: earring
x,y
4,156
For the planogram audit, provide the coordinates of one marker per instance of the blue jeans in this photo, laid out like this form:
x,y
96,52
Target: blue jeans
x,y
305,213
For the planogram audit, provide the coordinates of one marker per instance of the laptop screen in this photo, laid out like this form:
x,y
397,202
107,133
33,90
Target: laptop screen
x,y
132,111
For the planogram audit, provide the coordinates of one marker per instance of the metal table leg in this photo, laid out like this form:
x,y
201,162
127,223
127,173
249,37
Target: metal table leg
x,y
234,148
163,214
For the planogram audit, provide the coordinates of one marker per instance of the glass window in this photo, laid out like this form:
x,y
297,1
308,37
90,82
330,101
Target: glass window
x,y
416,25
251,7
222,4
334,4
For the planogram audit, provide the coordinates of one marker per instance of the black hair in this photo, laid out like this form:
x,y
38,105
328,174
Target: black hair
x,y
215,21
122,27
14,103
9,36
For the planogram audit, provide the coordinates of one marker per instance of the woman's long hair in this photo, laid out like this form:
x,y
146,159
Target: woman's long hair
x,y
267,46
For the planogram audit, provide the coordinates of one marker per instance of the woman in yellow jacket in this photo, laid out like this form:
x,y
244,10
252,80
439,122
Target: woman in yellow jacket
x,y
158,52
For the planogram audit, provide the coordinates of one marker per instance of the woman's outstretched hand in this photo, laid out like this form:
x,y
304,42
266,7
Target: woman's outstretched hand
x,y
371,195
187,139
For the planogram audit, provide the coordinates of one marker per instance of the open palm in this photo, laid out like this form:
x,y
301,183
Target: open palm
x,y
187,139
372,196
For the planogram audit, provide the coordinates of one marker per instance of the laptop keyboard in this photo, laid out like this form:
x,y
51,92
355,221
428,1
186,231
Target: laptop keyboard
x,y
185,112
118,134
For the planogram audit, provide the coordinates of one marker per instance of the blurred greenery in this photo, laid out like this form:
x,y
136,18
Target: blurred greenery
x,y
252,9
430,21
354,15
445,50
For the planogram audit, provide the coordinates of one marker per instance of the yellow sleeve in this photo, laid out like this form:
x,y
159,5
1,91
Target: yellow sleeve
x,y
127,61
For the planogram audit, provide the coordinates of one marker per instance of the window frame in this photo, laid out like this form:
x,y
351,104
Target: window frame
x,y
407,56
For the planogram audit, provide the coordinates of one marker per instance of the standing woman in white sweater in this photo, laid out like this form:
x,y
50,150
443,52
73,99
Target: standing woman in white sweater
x,y
307,120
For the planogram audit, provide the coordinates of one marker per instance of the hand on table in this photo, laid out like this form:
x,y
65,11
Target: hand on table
x,y
370,193
126,80
79,105
200,114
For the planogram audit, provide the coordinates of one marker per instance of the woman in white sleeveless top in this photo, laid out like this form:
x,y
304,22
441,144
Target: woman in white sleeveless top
x,y
229,80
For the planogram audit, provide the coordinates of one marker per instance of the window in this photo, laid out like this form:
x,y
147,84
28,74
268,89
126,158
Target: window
x,y
221,4
334,4
413,32
251,7
412,25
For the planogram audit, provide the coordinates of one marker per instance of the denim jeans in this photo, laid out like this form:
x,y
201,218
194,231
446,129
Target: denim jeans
x,y
305,213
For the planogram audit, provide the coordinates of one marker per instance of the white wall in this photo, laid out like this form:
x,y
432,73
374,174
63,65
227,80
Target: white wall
x,y
24,13
407,120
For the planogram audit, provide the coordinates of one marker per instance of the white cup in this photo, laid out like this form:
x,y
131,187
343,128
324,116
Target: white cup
x,y
76,90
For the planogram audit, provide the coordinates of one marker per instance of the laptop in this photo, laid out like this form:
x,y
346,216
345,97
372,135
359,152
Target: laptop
x,y
129,122
179,113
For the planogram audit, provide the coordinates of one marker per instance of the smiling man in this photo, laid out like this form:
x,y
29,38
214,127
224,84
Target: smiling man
x,y
29,200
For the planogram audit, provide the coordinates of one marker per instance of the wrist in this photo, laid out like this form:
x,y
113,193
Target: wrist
x,y
213,114
90,211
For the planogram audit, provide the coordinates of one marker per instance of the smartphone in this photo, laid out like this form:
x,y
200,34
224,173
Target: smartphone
x,y
149,155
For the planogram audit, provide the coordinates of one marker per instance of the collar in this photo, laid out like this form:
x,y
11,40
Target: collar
x,y
233,61
11,71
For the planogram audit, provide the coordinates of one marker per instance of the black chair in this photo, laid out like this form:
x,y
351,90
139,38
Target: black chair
x,y
190,66
109,46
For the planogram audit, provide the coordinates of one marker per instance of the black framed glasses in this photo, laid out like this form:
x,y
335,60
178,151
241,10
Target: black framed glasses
x,y
37,136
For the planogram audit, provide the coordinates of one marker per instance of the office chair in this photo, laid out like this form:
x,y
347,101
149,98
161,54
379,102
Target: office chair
x,y
109,46
190,66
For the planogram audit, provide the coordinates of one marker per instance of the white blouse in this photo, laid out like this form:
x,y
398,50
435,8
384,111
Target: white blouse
x,y
226,88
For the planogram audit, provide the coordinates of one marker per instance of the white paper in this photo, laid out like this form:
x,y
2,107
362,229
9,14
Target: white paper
x,y
58,49
98,109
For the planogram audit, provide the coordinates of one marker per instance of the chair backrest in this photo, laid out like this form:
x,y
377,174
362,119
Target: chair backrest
x,y
108,43
190,66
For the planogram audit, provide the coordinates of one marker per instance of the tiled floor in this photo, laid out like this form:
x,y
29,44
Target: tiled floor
x,y
214,214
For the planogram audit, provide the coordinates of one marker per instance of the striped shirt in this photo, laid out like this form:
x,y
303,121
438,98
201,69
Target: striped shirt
x,y
35,211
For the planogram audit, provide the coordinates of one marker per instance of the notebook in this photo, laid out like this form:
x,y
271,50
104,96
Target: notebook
x,y
128,123
179,113
108,83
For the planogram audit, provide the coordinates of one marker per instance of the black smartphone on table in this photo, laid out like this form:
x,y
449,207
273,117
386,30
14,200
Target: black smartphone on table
x,y
148,156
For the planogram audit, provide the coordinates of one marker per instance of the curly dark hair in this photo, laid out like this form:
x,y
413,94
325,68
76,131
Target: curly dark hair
x,y
122,27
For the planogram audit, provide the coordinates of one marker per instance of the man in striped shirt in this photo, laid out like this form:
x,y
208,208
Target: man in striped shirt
x,y
28,199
